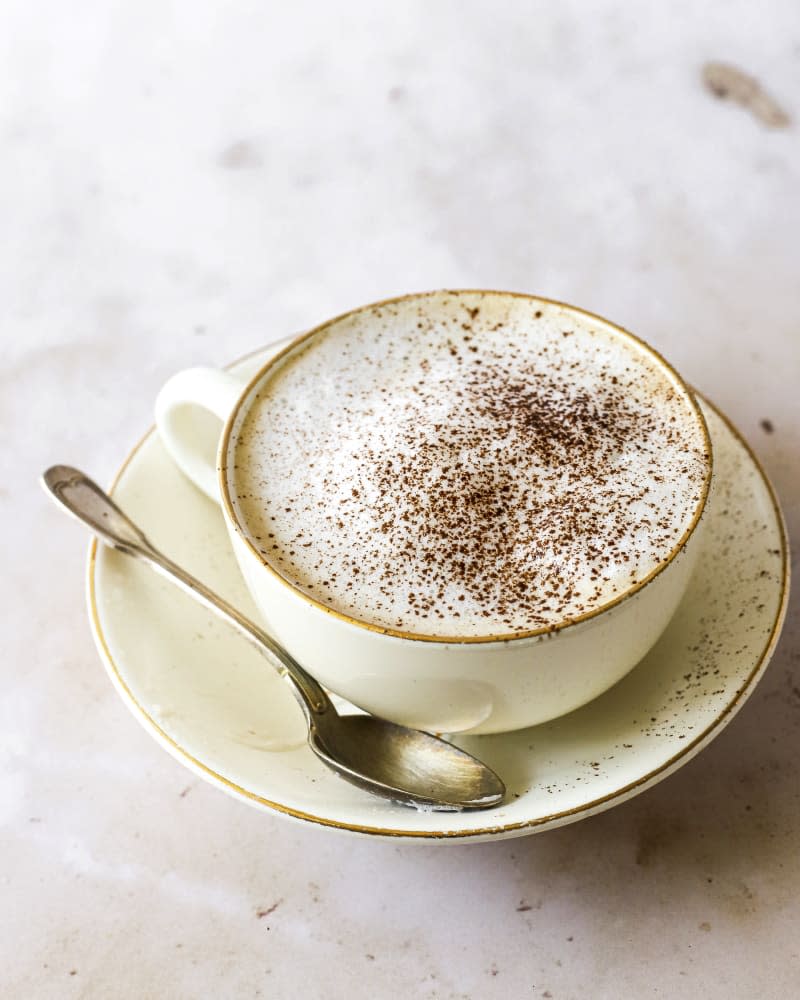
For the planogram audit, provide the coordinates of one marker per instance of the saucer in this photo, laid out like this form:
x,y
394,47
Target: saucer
x,y
219,707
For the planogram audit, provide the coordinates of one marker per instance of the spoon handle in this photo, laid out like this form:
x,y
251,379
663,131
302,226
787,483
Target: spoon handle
x,y
84,499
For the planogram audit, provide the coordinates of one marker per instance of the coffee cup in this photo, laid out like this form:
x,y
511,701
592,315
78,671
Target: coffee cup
x,y
465,511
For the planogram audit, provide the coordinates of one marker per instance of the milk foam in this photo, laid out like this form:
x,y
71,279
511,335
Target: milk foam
x,y
487,465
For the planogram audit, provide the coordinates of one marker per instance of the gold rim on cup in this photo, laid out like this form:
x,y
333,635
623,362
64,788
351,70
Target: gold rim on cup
x,y
222,470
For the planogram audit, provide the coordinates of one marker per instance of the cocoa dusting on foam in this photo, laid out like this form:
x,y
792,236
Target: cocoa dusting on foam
x,y
495,468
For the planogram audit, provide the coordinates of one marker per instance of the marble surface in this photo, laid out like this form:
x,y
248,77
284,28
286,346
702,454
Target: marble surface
x,y
182,183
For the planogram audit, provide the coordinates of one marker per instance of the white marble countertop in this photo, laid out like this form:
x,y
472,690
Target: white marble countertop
x,y
182,183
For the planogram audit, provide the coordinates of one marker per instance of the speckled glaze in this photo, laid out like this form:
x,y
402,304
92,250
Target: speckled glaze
x,y
468,684
465,464
239,727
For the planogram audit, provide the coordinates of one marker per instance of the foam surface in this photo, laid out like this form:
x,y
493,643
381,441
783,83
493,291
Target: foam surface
x,y
472,466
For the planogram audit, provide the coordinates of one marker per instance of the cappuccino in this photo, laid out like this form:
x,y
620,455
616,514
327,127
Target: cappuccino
x,y
468,466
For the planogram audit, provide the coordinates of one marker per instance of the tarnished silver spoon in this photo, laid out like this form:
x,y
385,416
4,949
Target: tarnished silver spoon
x,y
396,762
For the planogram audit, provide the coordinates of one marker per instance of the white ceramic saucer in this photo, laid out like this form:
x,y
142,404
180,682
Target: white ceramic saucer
x,y
221,710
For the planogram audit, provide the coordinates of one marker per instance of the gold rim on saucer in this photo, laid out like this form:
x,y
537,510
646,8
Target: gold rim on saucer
x,y
586,808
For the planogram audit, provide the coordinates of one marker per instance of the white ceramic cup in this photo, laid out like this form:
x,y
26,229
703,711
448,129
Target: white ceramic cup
x,y
479,685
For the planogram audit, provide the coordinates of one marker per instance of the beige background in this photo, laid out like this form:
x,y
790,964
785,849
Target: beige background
x,y
183,182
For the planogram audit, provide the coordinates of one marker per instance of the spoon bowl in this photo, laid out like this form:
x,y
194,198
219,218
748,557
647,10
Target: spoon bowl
x,y
413,767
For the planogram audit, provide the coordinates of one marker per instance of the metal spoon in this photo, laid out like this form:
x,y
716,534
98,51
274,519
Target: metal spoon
x,y
406,765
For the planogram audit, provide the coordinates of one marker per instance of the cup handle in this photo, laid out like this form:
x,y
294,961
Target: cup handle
x,y
191,410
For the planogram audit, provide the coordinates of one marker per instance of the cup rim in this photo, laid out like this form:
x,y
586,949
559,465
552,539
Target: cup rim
x,y
544,630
